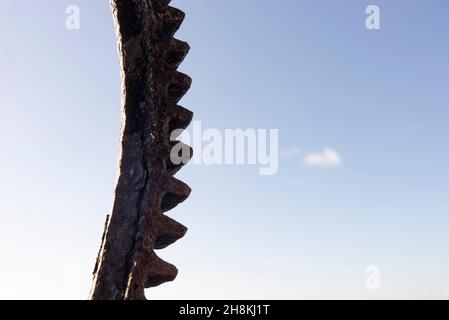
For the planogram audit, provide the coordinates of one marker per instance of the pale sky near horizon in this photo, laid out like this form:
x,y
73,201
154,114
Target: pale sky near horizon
x,y
376,100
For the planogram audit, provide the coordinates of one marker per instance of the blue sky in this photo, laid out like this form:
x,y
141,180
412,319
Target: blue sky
x,y
308,68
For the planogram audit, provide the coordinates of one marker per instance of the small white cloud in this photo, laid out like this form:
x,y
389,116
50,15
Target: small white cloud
x,y
328,158
290,153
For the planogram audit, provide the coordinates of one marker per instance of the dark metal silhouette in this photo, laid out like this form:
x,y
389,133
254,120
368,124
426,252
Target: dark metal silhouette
x,y
146,188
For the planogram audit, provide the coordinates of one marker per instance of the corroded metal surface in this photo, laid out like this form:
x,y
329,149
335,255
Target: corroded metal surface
x,y
146,188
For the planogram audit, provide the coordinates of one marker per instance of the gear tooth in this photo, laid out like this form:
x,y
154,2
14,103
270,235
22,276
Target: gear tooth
x,y
159,272
171,21
179,118
180,84
173,168
169,231
176,52
176,192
